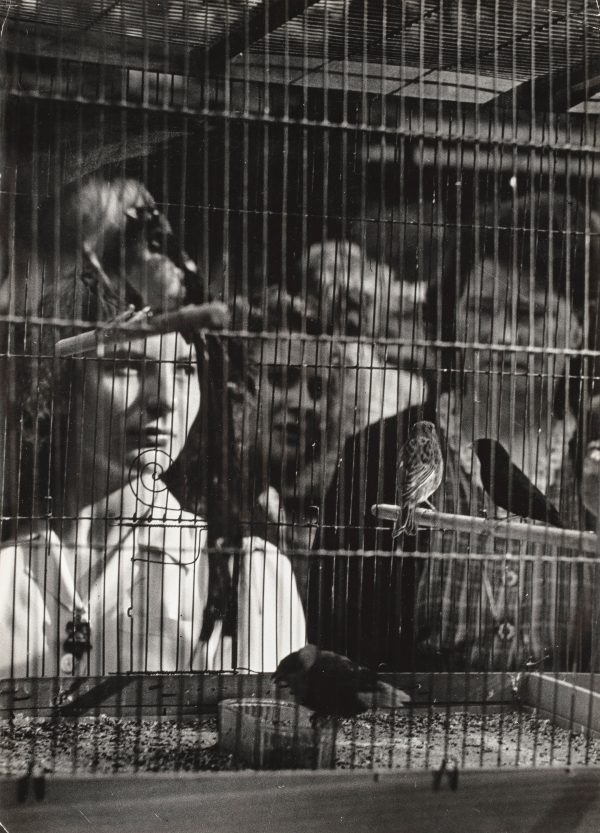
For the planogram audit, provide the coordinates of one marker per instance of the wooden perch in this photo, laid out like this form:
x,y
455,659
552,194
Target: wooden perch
x,y
504,529
211,316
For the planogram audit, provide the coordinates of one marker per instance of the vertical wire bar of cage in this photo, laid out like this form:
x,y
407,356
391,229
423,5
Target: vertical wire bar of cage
x,y
329,574
177,394
557,571
35,273
515,271
365,126
552,278
286,118
324,297
54,459
19,307
55,149
78,552
354,567
588,162
207,128
7,374
145,167
592,257
224,289
171,370
206,131
15,343
513,127
499,133
285,530
495,133
482,160
305,143
416,158
265,149
459,142
379,271
312,308
437,162
245,442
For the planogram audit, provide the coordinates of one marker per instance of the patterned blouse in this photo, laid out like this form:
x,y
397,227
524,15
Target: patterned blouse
x,y
492,604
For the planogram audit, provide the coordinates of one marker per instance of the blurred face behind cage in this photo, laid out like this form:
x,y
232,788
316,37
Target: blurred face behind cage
x,y
499,306
122,246
131,410
361,296
349,288
299,411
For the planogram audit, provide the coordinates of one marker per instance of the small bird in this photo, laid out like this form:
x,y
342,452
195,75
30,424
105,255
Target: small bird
x,y
419,475
332,685
590,478
510,488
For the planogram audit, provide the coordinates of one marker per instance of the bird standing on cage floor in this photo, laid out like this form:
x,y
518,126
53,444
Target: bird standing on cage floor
x,y
419,474
510,488
332,685
590,478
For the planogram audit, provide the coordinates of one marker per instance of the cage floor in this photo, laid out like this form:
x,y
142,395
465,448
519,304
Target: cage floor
x,y
412,739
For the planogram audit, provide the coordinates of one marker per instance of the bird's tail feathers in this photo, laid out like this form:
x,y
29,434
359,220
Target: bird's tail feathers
x,y
385,696
406,521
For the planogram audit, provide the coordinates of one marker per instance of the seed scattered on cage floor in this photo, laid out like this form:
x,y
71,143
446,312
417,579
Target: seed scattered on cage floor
x,y
401,740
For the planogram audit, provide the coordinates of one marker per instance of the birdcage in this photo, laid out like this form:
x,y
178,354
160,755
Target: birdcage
x,y
299,347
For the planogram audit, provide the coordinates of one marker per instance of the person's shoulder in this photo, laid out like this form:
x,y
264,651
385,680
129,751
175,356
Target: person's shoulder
x,y
23,541
265,562
256,546
21,545
392,430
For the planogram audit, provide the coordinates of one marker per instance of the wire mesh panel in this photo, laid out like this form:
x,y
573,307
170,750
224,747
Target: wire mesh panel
x,y
299,327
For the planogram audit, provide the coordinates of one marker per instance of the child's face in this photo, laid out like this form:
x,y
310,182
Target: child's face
x,y
135,405
299,406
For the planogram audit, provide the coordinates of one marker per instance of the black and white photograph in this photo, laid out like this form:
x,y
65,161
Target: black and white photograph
x,y
299,416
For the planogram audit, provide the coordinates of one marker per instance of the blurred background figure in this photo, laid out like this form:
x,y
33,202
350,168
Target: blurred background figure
x,y
108,229
114,239
360,296
295,411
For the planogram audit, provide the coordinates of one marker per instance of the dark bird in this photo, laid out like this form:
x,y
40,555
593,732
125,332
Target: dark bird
x,y
590,478
332,685
510,488
419,474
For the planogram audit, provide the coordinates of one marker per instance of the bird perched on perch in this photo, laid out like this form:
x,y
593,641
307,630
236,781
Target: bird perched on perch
x,y
419,473
332,685
510,488
590,478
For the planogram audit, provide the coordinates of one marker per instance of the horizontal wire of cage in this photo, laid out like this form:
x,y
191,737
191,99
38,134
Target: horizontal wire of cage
x,y
300,425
